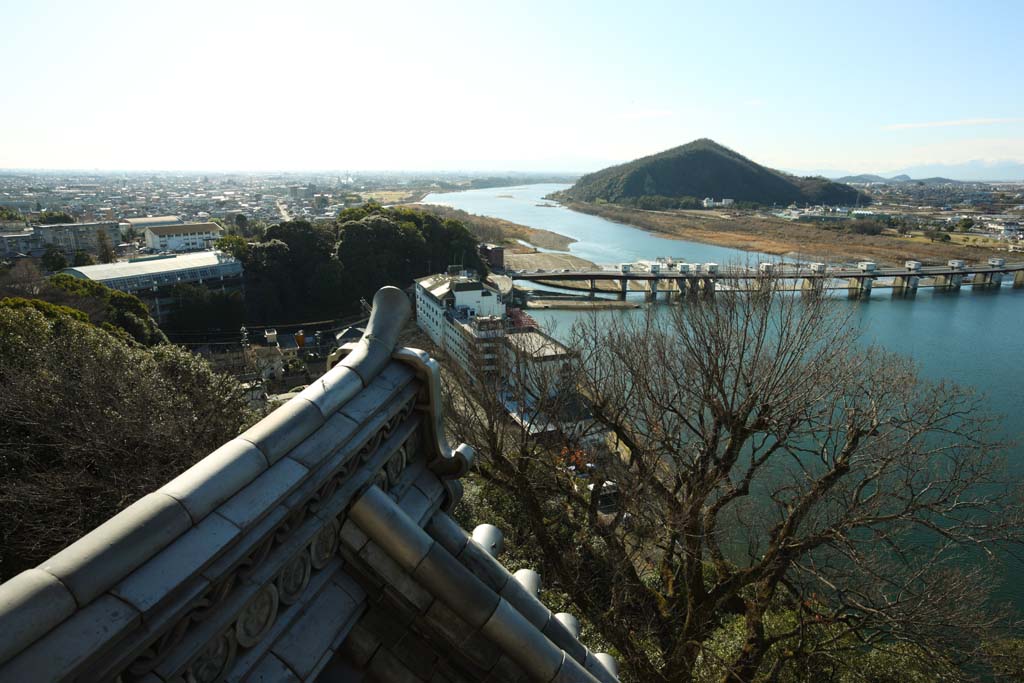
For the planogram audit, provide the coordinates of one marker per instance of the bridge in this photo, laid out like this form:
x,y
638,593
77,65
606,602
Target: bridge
x,y
318,545
674,279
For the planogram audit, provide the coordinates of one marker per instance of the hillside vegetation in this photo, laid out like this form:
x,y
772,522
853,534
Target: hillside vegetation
x,y
704,168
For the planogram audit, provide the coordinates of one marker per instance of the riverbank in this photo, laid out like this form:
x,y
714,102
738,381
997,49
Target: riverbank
x,y
578,304
769,235
497,230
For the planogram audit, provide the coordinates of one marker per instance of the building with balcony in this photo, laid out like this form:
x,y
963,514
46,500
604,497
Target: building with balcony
x,y
70,238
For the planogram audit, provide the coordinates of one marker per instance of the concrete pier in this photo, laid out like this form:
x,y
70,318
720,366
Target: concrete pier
x,y
652,290
949,283
988,280
812,286
860,287
1018,279
906,285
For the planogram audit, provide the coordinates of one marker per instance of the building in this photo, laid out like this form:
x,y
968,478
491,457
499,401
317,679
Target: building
x,y
468,321
493,255
438,295
710,203
74,237
182,236
24,242
139,225
152,278
465,317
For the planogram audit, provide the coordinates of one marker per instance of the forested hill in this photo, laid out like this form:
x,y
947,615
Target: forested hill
x,y
703,168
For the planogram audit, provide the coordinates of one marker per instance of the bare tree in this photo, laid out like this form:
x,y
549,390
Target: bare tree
x,y
788,500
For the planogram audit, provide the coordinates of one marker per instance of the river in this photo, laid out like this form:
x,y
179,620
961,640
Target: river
x,y
973,338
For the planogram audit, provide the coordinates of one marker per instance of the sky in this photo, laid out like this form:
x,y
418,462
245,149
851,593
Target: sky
x,y
523,85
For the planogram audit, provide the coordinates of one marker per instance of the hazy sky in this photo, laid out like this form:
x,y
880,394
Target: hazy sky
x,y
309,85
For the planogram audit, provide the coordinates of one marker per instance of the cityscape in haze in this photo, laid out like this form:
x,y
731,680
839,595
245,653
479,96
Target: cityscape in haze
x,y
567,342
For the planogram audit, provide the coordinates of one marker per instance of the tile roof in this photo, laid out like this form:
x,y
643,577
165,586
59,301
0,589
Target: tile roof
x,y
316,546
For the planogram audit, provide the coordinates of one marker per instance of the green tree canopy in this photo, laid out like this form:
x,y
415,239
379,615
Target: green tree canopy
x,y
53,259
377,251
234,245
199,308
106,248
111,309
91,424
10,215
55,218
83,258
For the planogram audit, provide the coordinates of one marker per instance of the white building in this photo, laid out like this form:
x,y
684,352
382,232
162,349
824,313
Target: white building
x,y
182,236
464,317
152,279
710,203
458,295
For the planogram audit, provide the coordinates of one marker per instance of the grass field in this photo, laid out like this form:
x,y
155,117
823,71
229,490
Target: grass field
x,y
806,241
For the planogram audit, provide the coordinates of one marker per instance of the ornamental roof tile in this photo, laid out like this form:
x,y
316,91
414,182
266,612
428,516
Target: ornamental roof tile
x,y
300,552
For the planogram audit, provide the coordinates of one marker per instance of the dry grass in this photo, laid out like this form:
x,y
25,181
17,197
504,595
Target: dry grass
x,y
807,241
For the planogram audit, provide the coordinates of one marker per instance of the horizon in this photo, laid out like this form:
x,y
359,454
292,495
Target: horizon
x,y
218,87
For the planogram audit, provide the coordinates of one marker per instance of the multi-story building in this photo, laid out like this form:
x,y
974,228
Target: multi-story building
x,y
74,237
465,318
182,236
468,321
152,279
24,242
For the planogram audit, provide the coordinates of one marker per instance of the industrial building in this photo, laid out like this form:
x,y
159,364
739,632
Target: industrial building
x,y
152,279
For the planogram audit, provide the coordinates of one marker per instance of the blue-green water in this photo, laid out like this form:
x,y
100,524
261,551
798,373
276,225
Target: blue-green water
x,y
975,339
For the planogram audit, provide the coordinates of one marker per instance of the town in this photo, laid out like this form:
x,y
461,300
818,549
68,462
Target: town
x,y
454,342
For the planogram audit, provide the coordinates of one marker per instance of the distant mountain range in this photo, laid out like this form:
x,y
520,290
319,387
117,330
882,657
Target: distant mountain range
x,y
704,168
898,179
976,171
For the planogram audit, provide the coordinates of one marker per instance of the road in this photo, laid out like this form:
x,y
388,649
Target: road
x,y
285,216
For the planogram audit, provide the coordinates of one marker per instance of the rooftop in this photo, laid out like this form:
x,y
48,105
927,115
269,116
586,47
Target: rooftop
x,y
536,344
150,221
440,286
150,266
182,229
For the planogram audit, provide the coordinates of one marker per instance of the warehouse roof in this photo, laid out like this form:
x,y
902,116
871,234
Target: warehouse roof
x,y
150,266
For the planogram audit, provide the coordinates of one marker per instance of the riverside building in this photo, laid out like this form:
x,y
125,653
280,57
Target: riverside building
x,y
467,319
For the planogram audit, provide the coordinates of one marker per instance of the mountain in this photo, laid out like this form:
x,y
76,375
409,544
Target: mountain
x,y
896,180
865,178
978,170
704,168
